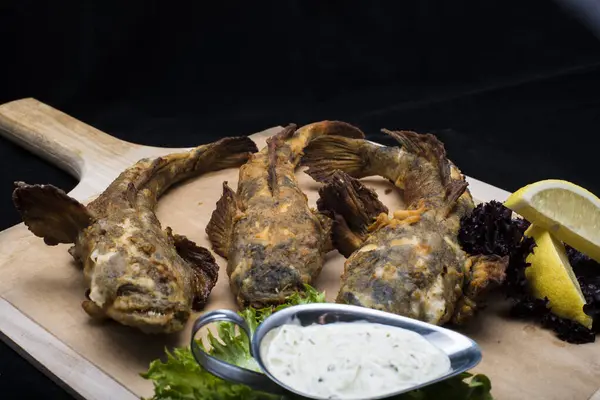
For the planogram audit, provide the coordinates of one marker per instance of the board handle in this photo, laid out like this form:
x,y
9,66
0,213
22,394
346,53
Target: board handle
x,y
59,138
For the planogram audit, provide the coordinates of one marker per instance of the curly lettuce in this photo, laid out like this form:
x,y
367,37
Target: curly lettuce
x,y
179,377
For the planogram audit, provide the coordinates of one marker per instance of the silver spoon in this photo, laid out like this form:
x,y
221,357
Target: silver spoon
x,y
463,352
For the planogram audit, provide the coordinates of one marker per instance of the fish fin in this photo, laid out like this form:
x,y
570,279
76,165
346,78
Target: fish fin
x,y
273,144
228,152
483,273
94,310
50,213
347,199
204,267
426,146
327,226
454,190
324,155
432,149
220,226
331,128
342,237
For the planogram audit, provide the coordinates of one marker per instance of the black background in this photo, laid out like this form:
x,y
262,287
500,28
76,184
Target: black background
x,y
511,87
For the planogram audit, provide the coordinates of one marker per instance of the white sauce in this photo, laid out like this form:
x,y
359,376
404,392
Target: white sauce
x,y
350,360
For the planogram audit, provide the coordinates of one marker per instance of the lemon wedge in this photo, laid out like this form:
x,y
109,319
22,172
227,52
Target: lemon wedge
x,y
569,212
550,275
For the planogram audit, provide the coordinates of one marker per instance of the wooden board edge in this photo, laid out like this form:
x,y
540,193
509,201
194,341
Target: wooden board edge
x,y
485,192
595,396
55,359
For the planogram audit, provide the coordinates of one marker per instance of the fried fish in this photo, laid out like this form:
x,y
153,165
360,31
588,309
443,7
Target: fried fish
x,y
411,263
137,273
273,241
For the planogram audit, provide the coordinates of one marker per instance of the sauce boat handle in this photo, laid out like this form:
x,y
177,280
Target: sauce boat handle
x,y
222,369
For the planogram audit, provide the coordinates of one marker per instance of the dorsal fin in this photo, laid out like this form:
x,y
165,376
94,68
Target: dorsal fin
x,y
430,148
274,143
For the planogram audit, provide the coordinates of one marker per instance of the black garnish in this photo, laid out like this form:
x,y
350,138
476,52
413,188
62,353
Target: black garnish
x,y
490,229
587,272
568,330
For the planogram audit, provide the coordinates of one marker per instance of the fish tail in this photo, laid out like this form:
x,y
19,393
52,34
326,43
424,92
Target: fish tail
x,y
427,146
50,213
291,142
159,174
352,206
228,152
327,154
329,128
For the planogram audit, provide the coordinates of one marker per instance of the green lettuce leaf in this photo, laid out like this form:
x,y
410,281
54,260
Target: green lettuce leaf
x,y
179,377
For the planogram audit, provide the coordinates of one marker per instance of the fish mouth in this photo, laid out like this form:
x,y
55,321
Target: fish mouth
x,y
158,313
134,306
151,319
134,300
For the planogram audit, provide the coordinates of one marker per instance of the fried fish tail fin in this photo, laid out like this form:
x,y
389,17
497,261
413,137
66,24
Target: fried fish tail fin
x,y
424,145
327,154
229,152
204,268
330,128
352,206
50,213
484,272
427,146
220,226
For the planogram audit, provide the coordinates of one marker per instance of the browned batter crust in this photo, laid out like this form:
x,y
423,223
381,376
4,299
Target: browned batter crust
x,y
273,241
410,263
138,273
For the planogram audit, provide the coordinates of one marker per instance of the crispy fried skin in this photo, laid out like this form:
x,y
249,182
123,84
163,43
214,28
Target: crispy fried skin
x,y
137,273
273,241
410,263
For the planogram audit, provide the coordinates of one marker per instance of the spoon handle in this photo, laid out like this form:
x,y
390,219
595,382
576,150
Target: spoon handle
x,y
222,369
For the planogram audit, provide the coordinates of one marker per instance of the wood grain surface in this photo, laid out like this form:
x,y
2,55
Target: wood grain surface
x,y
42,289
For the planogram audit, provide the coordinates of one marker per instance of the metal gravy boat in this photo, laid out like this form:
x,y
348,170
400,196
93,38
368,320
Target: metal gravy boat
x,y
463,352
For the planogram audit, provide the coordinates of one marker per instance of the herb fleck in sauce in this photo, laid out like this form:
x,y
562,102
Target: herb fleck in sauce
x,y
350,360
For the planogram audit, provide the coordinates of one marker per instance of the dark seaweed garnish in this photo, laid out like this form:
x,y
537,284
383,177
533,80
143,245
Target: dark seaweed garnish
x,y
587,272
490,229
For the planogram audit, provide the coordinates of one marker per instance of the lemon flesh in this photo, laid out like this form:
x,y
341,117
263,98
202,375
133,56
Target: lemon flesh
x,y
550,275
569,212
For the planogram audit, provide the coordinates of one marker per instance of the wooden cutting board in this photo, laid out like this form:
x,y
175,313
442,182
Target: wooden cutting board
x,y
41,289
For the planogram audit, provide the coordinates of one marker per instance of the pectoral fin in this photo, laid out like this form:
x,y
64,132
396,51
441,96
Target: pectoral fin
x,y
50,213
204,268
220,226
343,239
483,272
353,208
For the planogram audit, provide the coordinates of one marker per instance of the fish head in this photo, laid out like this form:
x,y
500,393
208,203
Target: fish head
x,y
146,293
